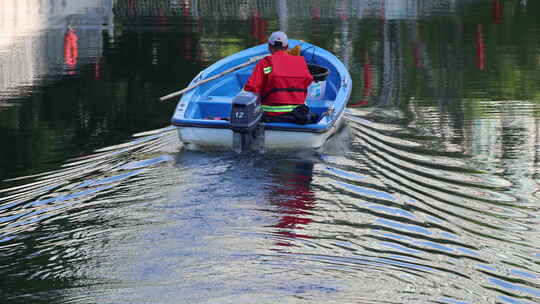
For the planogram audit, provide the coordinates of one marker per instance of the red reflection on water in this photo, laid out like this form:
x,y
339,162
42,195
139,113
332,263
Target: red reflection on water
x,y
480,47
316,20
417,53
186,8
295,200
71,48
343,12
383,11
316,12
192,50
188,39
367,72
259,27
163,20
97,69
496,11
131,7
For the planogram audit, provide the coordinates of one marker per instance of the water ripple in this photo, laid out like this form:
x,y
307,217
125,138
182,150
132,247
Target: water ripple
x,y
417,212
382,213
42,218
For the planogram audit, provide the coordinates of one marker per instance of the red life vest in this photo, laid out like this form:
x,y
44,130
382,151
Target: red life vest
x,y
288,80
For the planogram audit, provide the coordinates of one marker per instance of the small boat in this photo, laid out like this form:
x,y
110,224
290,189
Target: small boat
x,y
219,114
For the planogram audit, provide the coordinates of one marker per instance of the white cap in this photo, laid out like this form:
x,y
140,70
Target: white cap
x,y
278,36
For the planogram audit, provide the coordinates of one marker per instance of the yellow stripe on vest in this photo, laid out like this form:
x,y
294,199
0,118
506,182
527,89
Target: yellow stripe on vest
x,y
274,109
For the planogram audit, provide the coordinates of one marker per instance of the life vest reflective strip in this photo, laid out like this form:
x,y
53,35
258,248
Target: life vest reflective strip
x,y
279,109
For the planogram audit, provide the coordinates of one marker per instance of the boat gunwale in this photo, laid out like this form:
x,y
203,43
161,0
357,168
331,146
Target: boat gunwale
x,y
225,125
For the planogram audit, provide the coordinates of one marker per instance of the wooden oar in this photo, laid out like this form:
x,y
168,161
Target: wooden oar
x,y
250,61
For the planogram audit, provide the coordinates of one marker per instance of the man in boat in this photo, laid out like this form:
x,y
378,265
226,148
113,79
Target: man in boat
x,y
282,81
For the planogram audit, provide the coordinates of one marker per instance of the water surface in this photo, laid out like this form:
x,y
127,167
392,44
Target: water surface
x,y
428,195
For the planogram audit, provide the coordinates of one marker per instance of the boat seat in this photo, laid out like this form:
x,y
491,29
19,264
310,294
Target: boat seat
x,y
319,106
217,107
220,106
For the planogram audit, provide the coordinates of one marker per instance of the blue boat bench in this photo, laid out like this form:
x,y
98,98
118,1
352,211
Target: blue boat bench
x,y
215,107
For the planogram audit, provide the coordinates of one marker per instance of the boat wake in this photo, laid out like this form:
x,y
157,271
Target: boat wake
x,y
379,204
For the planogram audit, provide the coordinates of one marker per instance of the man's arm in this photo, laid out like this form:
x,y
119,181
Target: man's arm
x,y
256,81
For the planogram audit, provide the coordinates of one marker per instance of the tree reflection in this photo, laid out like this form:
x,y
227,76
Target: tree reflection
x,y
421,57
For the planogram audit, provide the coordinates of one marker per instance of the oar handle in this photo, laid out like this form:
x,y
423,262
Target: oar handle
x,y
250,61
169,96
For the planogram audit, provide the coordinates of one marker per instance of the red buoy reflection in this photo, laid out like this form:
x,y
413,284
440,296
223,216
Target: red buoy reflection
x,y
71,48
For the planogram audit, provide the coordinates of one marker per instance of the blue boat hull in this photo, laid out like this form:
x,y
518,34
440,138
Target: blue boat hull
x,y
202,114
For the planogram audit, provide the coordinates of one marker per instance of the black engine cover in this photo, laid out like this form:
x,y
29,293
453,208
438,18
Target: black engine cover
x,y
246,112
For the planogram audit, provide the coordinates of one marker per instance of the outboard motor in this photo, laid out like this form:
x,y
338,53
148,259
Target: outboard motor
x,y
246,113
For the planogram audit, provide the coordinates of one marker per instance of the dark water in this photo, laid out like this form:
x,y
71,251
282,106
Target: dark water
x,y
429,195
